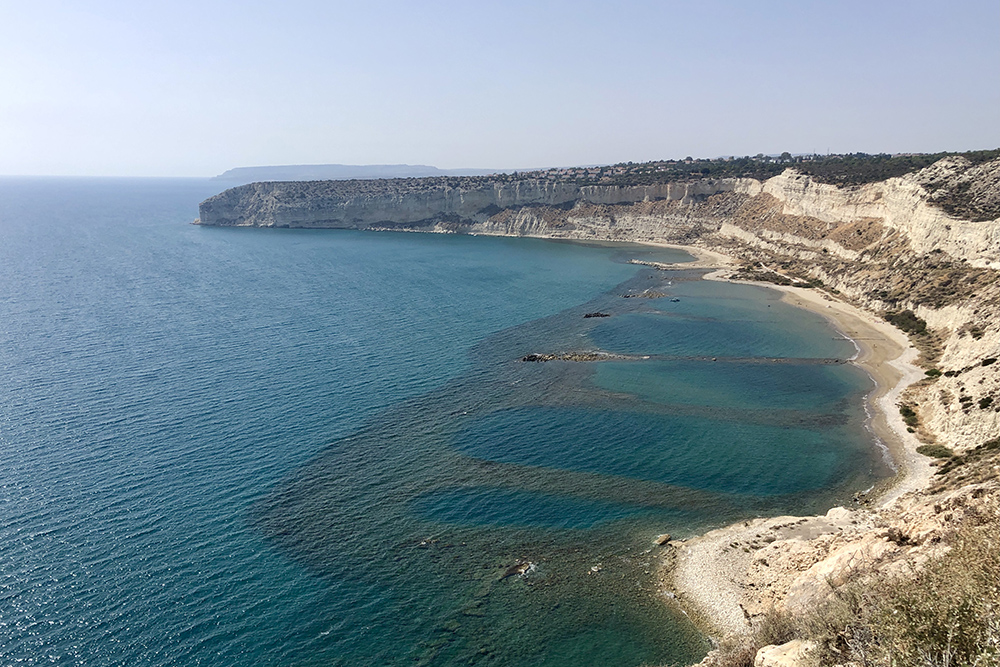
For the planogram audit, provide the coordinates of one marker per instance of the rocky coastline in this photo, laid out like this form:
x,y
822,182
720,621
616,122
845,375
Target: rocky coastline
x,y
863,256
580,356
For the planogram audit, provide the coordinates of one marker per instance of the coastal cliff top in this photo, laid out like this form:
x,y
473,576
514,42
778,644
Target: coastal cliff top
x,y
965,185
847,169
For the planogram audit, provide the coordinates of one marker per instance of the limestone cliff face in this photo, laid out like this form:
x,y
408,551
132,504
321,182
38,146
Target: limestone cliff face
x,y
901,204
409,203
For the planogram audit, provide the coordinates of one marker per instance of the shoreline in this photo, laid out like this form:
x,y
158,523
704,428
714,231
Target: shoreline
x,y
704,573
887,356
884,353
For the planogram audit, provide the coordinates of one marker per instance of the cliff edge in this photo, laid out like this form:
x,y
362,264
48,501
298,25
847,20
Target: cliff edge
x,y
456,203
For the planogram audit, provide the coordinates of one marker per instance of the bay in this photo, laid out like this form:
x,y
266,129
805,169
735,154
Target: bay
x,y
240,446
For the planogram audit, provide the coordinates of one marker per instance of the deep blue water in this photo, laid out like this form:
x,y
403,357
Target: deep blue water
x,y
289,447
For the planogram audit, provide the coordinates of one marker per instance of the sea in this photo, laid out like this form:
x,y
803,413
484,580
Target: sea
x,y
225,446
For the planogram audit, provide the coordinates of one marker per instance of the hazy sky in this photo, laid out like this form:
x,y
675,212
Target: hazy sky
x,y
194,88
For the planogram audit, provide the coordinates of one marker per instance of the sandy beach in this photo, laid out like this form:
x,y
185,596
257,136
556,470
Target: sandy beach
x,y
706,573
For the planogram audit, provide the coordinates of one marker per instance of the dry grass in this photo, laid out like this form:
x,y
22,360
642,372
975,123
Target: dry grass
x,y
946,614
740,651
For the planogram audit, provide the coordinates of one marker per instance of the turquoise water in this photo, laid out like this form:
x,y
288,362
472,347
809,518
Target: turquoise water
x,y
289,447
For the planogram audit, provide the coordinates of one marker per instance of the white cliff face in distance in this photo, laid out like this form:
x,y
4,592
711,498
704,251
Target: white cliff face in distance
x,y
423,202
472,205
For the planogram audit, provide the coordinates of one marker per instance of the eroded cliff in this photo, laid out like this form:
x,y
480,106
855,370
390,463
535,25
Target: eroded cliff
x,y
423,203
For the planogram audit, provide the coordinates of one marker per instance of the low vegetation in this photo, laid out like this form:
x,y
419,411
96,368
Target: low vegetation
x,y
909,416
861,168
935,282
906,321
935,451
774,628
843,170
946,613
988,449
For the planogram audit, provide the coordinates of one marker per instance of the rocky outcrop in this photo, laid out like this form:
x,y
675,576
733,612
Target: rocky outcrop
x,y
580,356
900,204
797,573
791,654
963,189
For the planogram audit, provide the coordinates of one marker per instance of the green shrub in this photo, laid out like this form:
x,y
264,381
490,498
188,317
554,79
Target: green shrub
x,y
974,455
947,611
909,416
935,451
907,321
932,373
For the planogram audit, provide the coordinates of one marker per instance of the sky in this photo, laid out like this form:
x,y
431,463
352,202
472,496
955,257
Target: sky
x,y
192,88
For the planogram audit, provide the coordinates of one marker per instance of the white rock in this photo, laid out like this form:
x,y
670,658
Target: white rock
x,y
793,654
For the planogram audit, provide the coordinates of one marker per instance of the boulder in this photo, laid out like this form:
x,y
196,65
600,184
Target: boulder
x,y
795,653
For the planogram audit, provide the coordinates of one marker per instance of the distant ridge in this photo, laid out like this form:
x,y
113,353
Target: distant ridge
x,y
342,172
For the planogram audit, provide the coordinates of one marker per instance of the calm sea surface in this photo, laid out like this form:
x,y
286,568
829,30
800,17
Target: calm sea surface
x,y
283,447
